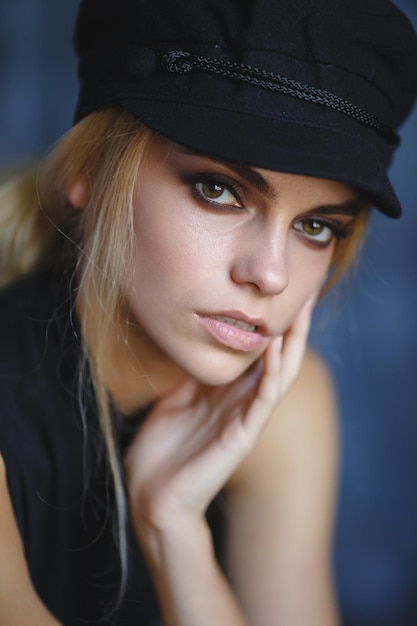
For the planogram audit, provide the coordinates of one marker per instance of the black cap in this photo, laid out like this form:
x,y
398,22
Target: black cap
x,y
313,87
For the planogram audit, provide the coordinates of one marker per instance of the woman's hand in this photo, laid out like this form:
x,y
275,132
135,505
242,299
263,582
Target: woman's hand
x,y
188,448
196,436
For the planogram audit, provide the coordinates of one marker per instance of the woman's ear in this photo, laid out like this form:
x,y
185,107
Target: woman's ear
x,y
79,193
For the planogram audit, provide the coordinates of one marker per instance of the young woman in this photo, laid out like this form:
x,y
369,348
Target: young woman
x,y
168,445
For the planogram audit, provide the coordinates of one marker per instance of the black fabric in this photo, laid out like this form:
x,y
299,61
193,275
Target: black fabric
x,y
56,465
359,57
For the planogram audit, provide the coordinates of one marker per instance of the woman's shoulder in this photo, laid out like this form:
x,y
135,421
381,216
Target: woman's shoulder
x,y
38,366
311,401
281,502
314,386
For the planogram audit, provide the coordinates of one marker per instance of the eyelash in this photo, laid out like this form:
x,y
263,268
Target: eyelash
x,y
224,185
339,231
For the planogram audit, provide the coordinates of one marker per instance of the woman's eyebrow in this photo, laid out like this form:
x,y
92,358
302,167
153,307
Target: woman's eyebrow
x,y
244,171
350,208
252,176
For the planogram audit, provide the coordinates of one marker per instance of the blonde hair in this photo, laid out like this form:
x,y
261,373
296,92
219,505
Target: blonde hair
x,y
39,228
347,251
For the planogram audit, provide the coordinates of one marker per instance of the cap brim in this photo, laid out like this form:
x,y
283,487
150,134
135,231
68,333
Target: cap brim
x,y
280,145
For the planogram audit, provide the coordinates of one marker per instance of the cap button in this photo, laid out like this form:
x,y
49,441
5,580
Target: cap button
x,y
142,63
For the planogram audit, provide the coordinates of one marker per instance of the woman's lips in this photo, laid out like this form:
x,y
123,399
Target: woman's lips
x,y
234,332
237,323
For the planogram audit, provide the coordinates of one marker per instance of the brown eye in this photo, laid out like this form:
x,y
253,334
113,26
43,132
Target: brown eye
x,y
216,193
212,190
315,230
313,227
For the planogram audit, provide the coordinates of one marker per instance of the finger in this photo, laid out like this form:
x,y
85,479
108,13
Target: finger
x,y
269,386
268,390
295,342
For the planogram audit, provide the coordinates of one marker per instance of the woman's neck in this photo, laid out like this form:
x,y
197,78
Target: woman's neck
x,y
137,372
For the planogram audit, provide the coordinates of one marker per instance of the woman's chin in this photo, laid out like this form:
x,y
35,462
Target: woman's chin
x,y
220,371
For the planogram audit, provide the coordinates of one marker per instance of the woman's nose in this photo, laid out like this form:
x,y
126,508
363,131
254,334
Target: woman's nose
x,y
262,264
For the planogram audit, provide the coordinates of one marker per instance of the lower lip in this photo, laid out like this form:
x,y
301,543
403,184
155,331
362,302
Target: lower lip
x,y
231,336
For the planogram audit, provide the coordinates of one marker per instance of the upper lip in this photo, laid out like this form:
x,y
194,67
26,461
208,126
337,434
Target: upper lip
x,y
261,326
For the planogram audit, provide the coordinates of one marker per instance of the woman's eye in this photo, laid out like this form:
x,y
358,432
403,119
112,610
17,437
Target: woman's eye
x,y
217,193
316,230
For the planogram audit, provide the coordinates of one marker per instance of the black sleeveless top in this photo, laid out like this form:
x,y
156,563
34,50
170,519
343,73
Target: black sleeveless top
x,y
55,460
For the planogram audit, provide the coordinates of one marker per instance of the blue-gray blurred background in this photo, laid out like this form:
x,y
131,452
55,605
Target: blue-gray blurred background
x,y
367,329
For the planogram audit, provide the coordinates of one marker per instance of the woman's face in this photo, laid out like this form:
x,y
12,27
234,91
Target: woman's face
x,y
225,256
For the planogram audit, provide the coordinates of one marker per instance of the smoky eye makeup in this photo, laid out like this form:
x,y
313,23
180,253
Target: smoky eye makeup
x,y
230,191
244,172
215,190
322,231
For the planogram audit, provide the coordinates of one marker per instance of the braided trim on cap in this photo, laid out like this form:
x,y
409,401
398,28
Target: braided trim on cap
x,y
181,62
